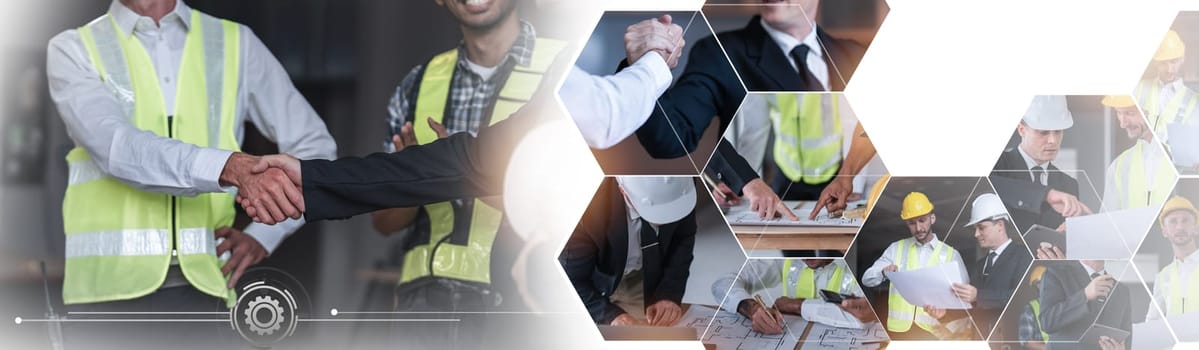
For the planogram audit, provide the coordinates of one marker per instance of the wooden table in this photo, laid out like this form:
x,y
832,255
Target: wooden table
x,y
795,237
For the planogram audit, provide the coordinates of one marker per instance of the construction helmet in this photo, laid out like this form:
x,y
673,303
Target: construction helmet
x,y
1048,113
875,192
1174,204
986,207
914,205
1035,275
1118,101
1170,48
660,199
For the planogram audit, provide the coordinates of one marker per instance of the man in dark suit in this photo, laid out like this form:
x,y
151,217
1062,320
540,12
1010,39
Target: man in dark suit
x,y
1077,295
1034,190
630,256
781,49
994,277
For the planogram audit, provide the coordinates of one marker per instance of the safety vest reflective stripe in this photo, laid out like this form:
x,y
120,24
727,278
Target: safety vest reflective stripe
x,y
900,313
1036,313
119,240
1130,180
805,286
1179,302
466,259
807,145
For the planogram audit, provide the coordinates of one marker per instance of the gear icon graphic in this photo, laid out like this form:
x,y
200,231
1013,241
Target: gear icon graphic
x,y
274,310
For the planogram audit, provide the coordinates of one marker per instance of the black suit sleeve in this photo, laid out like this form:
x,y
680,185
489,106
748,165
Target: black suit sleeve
x,y
454,167
1022,195
707,88
678,263
734,170
579,259
1062,303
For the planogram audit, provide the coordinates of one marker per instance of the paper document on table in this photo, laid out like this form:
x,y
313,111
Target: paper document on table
x,y
731,331
1184,143
825,337
930,286
742,215
1109,235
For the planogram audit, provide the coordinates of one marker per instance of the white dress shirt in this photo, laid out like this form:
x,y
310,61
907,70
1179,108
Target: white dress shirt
x,y
607,109
1029,163
815,59
148,162
874,275
1165,281
763,274
1152,155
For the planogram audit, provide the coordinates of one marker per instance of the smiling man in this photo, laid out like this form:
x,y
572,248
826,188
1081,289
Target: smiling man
x,y
1142,175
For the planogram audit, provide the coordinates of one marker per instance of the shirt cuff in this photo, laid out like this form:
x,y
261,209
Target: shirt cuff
x,y
207,167
271,236
658,70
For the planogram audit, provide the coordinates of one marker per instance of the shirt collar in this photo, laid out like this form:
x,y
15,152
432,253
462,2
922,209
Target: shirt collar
x,y
127,20
1191,259
1029,162
931,243
521,51
787,42
999,251
1091,271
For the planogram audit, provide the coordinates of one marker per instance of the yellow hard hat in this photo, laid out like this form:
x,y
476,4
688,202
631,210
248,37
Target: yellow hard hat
x,y
1035,275
1177,203
1118,101
1170,48
875,193
915,204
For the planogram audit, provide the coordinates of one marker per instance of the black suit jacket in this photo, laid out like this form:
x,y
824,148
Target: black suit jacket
x,y
1025,200
594,257
763,66
1065,312
998,286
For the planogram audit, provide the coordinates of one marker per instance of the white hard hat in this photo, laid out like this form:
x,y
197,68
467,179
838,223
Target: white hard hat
x,y
1048,113
987,206
660,199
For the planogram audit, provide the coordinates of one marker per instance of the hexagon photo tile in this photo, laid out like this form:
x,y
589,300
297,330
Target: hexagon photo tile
x,y
1167,260
938,258
1077,304
793,303
669,131
769,41
786,151
1166,92
1084,164
645,257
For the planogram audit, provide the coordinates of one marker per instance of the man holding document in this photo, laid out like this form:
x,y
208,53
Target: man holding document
x,y
922,250
807,285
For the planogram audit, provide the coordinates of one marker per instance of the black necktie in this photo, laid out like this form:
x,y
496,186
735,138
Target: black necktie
x,y
651,255
806,79
1037,173
989,263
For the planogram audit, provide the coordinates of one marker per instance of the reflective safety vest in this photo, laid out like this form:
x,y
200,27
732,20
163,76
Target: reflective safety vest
x,y
119,240
900,313
1177,301
807,143
805,287
1130,180
458,243
1178,109
1036,313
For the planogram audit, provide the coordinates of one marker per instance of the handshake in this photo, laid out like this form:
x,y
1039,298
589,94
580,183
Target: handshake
x,y
269,187
654,35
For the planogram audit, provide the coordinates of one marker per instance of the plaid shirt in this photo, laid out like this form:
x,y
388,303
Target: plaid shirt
x,y
1030,330
470,95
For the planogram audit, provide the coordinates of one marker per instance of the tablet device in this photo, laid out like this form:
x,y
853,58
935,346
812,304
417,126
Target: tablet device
x,y
1092,335
1040,236
834,297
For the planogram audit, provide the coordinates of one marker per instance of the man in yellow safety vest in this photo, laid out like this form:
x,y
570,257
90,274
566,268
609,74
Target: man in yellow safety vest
x,y
1163,96
1142,175
1176,289
1030,333
802,281
921,250
155,95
